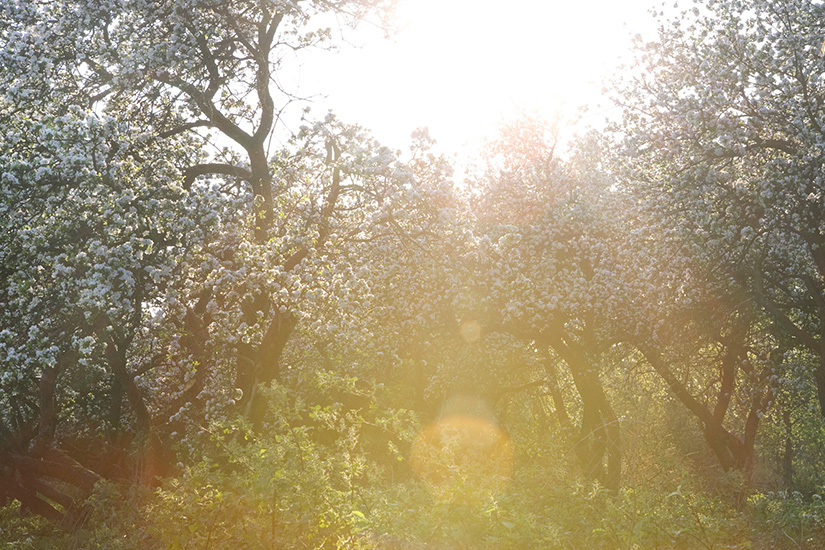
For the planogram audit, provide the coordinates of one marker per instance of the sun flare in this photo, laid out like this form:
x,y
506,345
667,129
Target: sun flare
x,y
460,66
464,457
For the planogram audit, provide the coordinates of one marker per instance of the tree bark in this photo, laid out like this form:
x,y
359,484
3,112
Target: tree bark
x,y
600,434
731,451
267,362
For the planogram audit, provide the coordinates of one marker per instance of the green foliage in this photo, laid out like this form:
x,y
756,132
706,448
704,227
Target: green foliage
x,y
24,531
791,517
296,483
115,521
301,478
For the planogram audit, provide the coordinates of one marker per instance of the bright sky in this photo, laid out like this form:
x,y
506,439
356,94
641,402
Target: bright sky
x,y
460,66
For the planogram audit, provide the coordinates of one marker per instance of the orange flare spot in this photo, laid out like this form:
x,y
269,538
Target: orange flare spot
x,y
470,331
463,459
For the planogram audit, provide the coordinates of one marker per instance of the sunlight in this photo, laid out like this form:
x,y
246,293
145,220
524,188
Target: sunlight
x,y
460,66
492,57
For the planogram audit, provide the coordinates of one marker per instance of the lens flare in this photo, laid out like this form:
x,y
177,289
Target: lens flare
x,y
470,331
463,459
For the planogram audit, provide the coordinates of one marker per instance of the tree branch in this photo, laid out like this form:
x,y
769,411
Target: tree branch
x,y
191,173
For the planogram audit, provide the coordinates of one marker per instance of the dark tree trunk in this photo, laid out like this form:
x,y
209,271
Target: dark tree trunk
x,y
732,451
149,461
600,434
39,482
267,363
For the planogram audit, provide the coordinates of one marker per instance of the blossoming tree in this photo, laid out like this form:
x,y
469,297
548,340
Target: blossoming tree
x,y
158,251
724,122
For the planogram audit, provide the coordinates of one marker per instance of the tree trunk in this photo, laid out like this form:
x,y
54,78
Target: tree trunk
x,y
31,480
731,451
149,463
267,362
600,430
